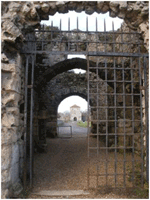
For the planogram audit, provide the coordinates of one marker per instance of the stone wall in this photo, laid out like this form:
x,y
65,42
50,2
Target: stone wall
x,y
18,19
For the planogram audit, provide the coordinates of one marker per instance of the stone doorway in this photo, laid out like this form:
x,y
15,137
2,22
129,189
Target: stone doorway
x,y
13,32
75,119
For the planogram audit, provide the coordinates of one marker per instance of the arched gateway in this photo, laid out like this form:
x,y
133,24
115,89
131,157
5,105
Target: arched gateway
x,y
118,58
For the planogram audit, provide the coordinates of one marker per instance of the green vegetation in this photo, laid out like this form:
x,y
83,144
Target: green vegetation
x,y
142,193
83,124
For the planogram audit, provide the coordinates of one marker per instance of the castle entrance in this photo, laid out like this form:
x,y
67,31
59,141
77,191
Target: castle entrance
x,y
117,93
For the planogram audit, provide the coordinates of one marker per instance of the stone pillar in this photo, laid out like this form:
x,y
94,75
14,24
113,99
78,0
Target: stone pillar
x,y
12,123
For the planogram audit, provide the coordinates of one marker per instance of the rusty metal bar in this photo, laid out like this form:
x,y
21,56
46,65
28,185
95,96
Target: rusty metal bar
x,y
90,53
133,124
97,104
31,122
124,113
115,110
141,118
88,99
25,121
147,120
68,34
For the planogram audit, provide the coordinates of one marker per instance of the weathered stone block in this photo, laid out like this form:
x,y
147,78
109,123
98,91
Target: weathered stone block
x,y
15,153
6,151
11,117
45,7
14,173
10,98
5,176
8,135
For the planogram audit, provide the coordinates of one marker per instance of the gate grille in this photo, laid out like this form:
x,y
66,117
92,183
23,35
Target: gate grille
x,y
118,137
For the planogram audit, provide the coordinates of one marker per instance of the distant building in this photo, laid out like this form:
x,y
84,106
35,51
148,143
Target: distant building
x,y
75,113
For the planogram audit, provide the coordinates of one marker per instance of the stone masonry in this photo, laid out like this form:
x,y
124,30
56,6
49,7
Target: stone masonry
x,y
18,19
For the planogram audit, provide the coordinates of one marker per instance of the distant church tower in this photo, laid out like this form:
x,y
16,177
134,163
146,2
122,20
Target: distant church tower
x,y
75,113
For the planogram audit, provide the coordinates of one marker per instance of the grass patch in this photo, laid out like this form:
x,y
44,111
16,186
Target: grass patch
x,y
83,124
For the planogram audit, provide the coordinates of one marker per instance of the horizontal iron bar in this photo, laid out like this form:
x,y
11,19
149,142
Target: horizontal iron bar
x,y
115,174
115,107
63,126
113,134
125,94
111,120
79,41
116,68
92,148
114,81
90,53
117,161
77,31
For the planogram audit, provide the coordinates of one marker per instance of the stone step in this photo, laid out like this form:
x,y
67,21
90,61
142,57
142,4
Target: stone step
x,y
61,193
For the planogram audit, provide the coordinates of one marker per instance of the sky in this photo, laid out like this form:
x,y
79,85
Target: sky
x,y
82,21
68,102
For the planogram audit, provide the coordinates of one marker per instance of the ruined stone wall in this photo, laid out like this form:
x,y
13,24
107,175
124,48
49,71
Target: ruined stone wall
x,y
18,18
12,121
67,84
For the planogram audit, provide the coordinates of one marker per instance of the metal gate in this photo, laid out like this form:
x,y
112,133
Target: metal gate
x,y
117,98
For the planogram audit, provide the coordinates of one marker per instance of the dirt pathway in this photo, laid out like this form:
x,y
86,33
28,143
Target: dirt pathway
x,y
64,166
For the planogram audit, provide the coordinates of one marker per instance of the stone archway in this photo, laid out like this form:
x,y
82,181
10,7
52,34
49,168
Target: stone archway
x,y
18,18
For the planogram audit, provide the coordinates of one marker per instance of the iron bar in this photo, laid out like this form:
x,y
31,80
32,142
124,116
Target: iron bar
x,y
124,113
97,103
141,118
87,31
147,120
73,41
133,124
90,53
69,34
88,98
25,121
115,111
31,123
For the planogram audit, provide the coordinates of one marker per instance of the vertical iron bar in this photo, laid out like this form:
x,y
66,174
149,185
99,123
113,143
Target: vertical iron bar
x,y
115,112
25,121
106,125
88,131
133,124
141,120
96,24
124,108
147,120
51,35
77,33
31,123
97,104
68,33
60,35
42,36
71,130
87,34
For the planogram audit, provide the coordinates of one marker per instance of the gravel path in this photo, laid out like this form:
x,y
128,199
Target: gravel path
x,y
77,131
64,166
